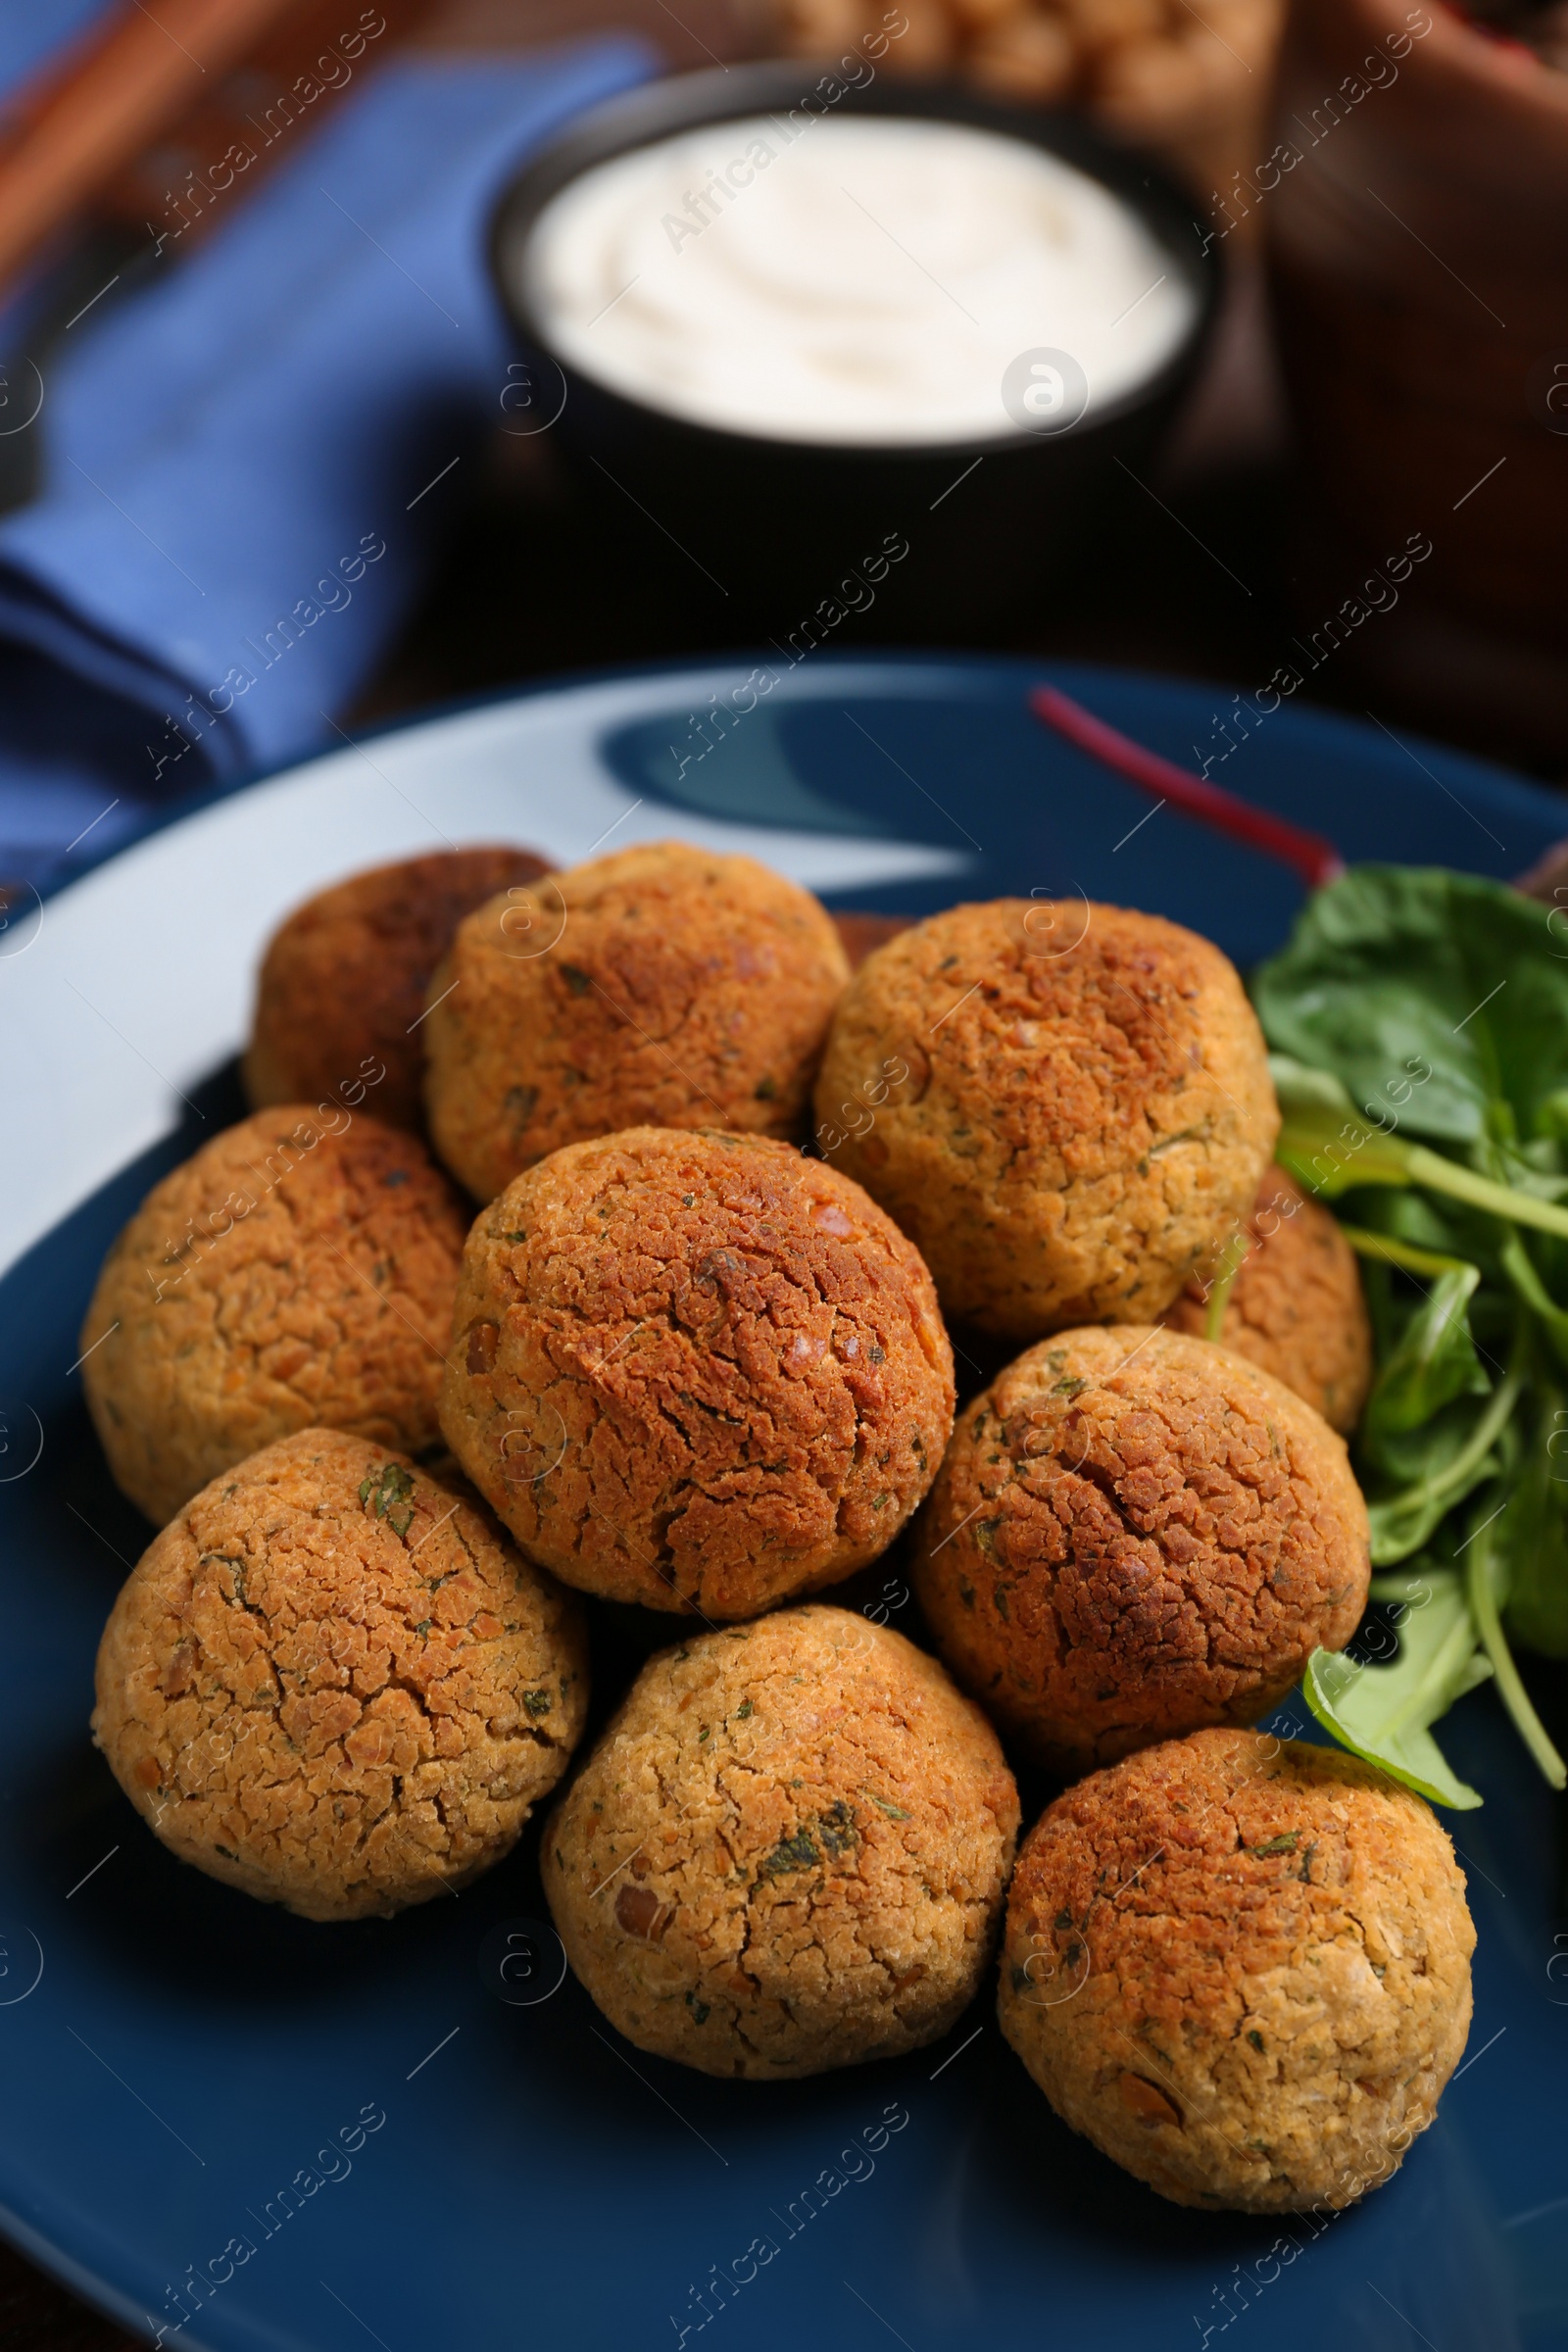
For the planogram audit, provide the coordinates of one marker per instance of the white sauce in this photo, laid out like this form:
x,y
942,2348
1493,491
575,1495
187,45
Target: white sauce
x,y
848,279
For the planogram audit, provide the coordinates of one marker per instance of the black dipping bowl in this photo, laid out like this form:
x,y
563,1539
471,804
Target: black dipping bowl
x,y
776,524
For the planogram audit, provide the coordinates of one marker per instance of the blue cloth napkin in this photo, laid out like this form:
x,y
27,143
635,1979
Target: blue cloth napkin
x,y
29,36
247,461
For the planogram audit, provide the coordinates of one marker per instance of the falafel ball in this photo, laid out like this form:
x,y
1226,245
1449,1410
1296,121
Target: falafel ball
x,y
788,1851
1135,1533
696,1371
676,988
1241,1968
1066,1107
299,1269
343,981
1296,1306
334,1684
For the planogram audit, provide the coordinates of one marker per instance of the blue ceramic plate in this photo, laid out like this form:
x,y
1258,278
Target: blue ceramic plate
x,y
248,2132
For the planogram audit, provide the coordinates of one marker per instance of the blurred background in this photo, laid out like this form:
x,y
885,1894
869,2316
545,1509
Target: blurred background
x,y
221,342
257,390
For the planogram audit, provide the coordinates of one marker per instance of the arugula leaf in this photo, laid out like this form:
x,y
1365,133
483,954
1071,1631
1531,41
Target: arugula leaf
x,y
1532,1536
1303,1090
1458,1457
1389,1249
1415,1008
1433,1363
1520,1268
1331,1148
1232,1258
1417,1458
1484,1592
1385,1713
1395,967
1324,1141
1437,1226
1403,1523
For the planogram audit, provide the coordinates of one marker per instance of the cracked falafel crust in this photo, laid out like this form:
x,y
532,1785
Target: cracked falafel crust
x,y
788,1851
669,985
298,1270
334,1684
1135,1533
1241,1968
1086,1114
343,980
697,1371
1296,1306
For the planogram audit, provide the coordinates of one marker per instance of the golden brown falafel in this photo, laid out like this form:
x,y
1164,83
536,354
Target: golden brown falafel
x,y
299,1269
343,981
788,1851
1296,1306
332,1682
680,989
1135,1533
1241,1968
1065,1106
697,1371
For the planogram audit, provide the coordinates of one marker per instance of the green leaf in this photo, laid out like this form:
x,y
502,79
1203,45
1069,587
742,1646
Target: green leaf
x,y
1396,1460
1404,1522
1331,1156
1482,1589
1391,1250
1434,1361
1434,1222
1232,1257
795,1852
387,1496
1430,995
1419,1027
1325,1142
1385,1713
1453,1455
1532,1535
1521,1270
1306,1090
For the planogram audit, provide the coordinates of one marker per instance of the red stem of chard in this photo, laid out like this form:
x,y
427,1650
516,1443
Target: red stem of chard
x,y
1314,856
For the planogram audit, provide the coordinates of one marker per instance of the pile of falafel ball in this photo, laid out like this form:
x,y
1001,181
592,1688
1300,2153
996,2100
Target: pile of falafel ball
x,y
743,1167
